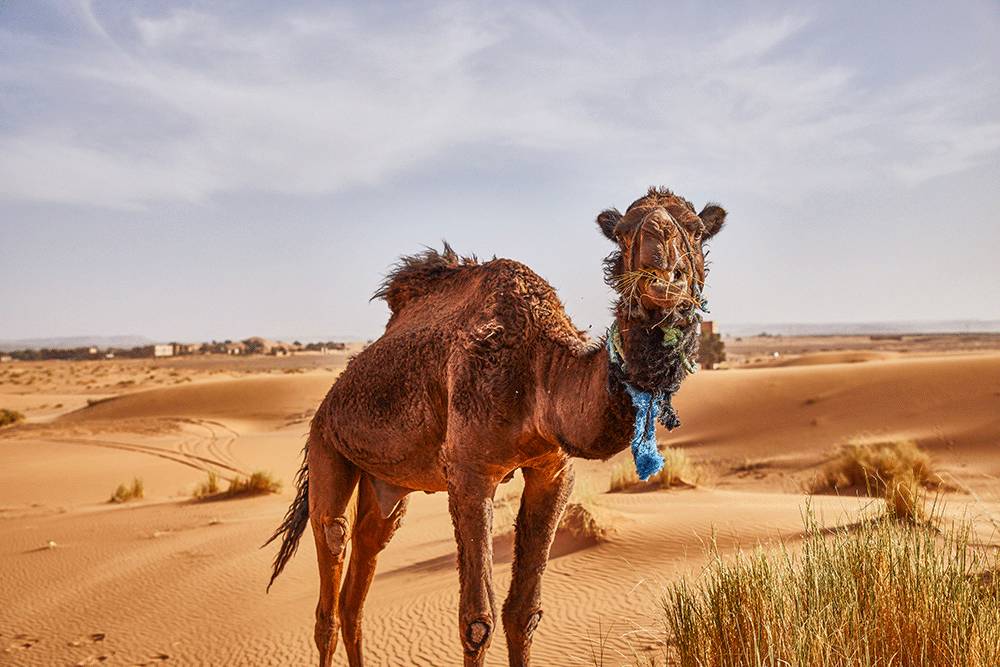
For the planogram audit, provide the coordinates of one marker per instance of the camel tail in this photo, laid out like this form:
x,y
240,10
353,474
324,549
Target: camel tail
x,y
295,521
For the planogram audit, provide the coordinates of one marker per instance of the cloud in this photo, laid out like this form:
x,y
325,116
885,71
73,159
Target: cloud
x,y
190,104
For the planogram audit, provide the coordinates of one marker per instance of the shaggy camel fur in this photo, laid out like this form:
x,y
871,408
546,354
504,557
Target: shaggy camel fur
x,y
479,373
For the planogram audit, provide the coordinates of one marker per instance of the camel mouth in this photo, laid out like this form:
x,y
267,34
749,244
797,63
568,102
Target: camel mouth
x,y
658,291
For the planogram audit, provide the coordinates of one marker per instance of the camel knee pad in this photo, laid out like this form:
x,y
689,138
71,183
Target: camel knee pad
x,y
337,532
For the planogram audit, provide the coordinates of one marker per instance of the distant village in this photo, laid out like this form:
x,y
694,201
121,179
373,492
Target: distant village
x,y
711,353
249,346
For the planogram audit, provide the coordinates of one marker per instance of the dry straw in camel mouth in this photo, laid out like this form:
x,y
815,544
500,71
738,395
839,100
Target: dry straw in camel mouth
x,y
628,285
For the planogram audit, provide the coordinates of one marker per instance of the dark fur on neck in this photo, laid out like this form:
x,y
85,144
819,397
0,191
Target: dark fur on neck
x,y
649,364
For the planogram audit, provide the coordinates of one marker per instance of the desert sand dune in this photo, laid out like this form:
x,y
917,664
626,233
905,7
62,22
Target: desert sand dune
x,y
822,358
252,398
792,416
168,580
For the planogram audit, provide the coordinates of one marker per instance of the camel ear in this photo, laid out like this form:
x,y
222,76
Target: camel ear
x,y
607,221
712,216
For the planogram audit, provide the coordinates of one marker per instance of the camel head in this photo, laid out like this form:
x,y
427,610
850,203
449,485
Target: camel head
x,y
659,267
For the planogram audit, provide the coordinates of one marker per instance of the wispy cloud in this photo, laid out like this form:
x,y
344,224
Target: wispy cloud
x,y
189,104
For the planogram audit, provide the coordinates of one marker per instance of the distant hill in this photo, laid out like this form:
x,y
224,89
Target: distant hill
x,y
859,328
69,342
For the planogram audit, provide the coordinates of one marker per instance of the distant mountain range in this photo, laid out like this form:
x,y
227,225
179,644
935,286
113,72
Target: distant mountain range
x,y
859,328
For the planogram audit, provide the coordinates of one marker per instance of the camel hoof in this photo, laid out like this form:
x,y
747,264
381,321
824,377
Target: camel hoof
x,y
476,635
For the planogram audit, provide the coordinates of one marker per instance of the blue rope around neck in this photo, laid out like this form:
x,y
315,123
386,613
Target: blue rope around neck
x,y
648,460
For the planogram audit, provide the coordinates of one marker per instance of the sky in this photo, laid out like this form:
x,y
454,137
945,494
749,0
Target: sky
x,y
188,171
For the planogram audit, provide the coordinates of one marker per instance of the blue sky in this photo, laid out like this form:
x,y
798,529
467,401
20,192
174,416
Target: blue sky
x,y
225,169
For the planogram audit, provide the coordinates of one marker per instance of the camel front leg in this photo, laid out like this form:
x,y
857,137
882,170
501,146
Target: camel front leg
x,y
470,499
542,503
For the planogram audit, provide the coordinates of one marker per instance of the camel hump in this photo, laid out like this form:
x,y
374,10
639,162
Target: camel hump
x,y
416,275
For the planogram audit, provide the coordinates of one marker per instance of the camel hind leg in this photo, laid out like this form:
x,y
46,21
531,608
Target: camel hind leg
x,y
332,479
380,510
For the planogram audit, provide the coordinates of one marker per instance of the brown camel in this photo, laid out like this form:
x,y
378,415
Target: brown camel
x,y
480,373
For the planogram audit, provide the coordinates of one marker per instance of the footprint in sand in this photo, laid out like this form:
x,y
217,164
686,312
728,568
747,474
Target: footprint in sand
x,y
22,642
154,660
89,639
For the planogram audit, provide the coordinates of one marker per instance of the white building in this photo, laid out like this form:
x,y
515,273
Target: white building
x,y
163,350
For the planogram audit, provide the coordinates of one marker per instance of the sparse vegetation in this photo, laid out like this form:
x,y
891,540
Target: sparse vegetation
x,y
678,471
125,493
872,466
879,593
209,487
898,471
10,417
258,483
905,500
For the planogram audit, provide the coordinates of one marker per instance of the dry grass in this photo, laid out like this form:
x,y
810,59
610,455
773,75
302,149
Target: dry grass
x,y
125,492
880,594
259,483
898,471
871,466
678,471
209,487
10,417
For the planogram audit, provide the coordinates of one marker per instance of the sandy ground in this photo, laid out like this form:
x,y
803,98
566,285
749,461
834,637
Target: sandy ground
x,y
169,580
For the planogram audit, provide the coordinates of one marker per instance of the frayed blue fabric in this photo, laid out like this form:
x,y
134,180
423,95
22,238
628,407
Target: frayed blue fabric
x,y
645,453
648,460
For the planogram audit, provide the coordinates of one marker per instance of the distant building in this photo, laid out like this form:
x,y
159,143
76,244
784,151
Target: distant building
x,y
234,348
711,349
163,350
6,358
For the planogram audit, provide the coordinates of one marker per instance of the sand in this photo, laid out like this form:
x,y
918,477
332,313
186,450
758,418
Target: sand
x,y
169,580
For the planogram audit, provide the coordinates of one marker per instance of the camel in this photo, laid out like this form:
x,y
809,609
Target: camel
x,y
479,373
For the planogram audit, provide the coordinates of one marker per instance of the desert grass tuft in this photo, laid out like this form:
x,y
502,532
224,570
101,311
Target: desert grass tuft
x,y
126,492
871,466
678,471
259,483
878,593
10,417
209,487
898,471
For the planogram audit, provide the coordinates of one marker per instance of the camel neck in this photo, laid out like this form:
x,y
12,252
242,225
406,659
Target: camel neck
x,y
584,410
